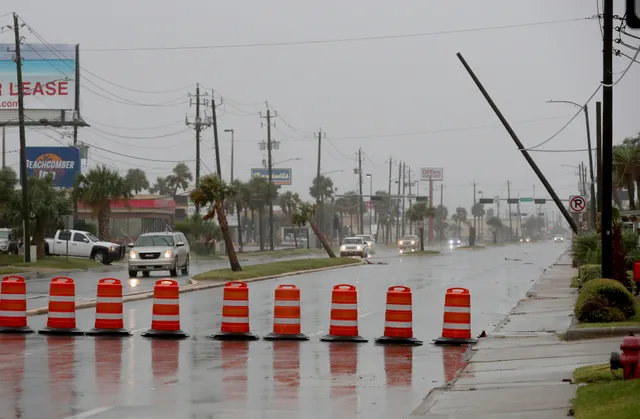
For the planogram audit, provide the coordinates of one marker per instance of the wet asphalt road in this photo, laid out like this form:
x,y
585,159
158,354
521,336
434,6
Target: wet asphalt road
x,y
87,282
102,378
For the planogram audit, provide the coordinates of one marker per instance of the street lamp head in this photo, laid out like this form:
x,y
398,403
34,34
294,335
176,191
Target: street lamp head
x,y
369,175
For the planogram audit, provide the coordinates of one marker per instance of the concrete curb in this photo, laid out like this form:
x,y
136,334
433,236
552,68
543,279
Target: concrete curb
x,y
192,286
574,333
38,274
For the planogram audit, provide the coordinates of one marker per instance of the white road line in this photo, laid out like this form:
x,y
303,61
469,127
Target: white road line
x,y
90,413
362,316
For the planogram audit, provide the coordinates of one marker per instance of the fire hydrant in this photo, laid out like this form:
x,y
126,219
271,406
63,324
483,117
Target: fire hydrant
x,y
629,360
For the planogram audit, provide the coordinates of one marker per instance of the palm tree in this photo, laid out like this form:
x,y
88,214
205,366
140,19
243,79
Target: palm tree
x,y
440,223
161,187
47,205
625,167
180,178
419,212
137,178
460,217
239,202
211,193
8,182
289,202
323,190
305,214
96,189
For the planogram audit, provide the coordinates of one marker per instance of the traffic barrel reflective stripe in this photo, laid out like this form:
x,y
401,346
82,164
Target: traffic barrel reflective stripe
x,y
62,308
109,309
286,314
456,326
398,323
165,317
235,313
343,324
13,305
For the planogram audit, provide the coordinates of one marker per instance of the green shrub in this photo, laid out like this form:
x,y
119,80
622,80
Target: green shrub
x,y
581,245
594,256
589,272
632,256
629,240
604,301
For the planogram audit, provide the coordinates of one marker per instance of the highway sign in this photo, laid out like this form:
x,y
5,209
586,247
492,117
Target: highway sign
x,y
422,199
512,200
376,197
577,203
540,201
486,200
526,199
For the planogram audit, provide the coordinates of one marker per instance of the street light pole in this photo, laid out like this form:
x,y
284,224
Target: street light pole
x,y
594,203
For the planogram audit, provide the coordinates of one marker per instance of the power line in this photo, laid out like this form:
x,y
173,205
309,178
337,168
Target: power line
x,y
93,121
340,40
153,137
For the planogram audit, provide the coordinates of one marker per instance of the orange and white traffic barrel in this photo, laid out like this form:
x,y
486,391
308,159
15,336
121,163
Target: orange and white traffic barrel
x,y
344,315
13,305
286,314
456,327
109,309
165,319
398,322
62,308
235,313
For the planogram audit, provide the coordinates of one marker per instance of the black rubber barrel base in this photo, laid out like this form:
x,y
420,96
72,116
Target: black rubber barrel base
x,y
109,332
390,340
277,336
453,341
332,338
165,334
234,336
25,329
60,331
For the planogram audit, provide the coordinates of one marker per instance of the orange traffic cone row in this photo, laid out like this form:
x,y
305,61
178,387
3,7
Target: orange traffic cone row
x,y
398,322
344,315
456,328
286,314
235,313
165,320
62,308
109,308
13,305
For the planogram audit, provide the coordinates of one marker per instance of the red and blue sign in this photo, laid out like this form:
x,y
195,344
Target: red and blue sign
x,y
61,163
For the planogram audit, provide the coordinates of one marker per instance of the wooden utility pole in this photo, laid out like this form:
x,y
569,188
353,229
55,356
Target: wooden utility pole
x,y
214,122
607,139
441,212
509,204
410,204
404,200
23,145
76,107
319,199
599,154
4,147
389,203
198,125
360,203
270,176
398,202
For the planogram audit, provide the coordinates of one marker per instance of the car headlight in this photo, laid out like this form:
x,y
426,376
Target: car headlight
x,y
413,242
168,254
359,247
343,247
450,241
399,242
132,255
112,249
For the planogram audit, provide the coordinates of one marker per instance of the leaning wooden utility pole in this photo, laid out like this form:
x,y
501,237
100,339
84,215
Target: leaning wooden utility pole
x,y
23,146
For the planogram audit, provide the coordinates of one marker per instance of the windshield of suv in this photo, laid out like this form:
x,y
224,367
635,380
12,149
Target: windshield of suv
x,y
4,234
366,238
410,238
352,240
154,241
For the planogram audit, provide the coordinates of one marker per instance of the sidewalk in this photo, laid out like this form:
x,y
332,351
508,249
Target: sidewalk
x,y
522,370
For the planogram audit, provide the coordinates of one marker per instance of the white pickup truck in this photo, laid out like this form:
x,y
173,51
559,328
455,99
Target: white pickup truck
x,y
82,244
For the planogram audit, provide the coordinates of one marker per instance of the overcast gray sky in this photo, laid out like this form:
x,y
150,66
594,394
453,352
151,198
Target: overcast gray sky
x,y
367,94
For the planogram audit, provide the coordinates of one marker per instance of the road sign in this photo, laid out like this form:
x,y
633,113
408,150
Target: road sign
x,y
512,200
422,199
577,203
486,200
526,199
540,201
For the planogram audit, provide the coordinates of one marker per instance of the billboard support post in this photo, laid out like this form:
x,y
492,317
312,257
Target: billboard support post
x,y
23,145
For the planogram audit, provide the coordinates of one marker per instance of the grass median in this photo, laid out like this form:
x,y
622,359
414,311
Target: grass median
x,y
274,268
48,262
604,394
282,252
474,247
422,253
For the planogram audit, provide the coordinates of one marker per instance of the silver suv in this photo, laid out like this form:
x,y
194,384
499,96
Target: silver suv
x,y
354,246
166,251
369,240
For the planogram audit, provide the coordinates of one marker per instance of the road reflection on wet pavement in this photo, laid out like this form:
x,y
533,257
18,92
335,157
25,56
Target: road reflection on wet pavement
x,y
116,378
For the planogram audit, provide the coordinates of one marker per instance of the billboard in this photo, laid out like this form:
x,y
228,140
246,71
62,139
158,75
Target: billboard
x,y
432,173
48,73
278,176
63,163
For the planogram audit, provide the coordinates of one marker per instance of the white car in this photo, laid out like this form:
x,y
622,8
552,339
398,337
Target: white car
x,y
409,243
558,239
371,243
354,246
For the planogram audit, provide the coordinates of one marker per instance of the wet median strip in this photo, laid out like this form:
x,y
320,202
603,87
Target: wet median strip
x,y
423,253
274,268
